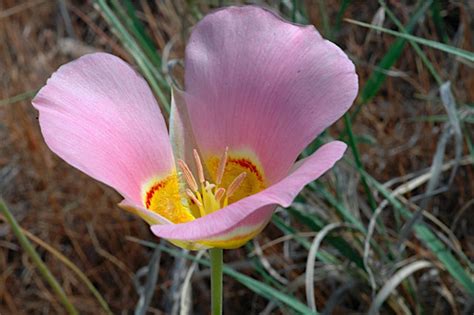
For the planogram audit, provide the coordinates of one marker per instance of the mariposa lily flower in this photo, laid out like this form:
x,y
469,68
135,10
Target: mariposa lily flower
x,y
258,90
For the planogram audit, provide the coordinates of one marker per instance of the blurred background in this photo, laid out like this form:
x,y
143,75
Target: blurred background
x,y
389,230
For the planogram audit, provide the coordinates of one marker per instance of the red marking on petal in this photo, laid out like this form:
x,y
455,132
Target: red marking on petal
x,y
249,166
153,189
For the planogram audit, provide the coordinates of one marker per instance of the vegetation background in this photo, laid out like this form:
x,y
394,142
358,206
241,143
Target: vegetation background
x,y
389,230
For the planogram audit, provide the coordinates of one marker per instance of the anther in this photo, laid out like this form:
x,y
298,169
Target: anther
x,y
188,176
193,197
236,184
221,169
219,194
200,170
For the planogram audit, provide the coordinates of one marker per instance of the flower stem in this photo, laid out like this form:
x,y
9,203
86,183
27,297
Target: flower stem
x,y
216,280
43,269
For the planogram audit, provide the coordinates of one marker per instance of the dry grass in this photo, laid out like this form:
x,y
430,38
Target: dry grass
x,y
78,216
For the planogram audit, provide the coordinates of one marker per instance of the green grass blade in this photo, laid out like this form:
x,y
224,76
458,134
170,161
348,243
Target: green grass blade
x,y
415,46
260,269
294,10
443,118
254,285
285,228
340,208
136,27
148,70
35,257
437,247
267,291
469,56
375,80
438,21
337,242
133,32
470,146
358,161
340,14
68,263
18,98
324,17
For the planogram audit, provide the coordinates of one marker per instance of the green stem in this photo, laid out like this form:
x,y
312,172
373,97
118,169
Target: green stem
x,y
43,269
216,280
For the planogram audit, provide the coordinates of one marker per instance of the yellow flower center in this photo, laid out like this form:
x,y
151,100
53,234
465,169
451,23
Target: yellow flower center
x,y
164,198
234,176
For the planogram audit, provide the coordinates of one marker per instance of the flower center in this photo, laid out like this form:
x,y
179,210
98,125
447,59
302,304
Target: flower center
x,y
233,177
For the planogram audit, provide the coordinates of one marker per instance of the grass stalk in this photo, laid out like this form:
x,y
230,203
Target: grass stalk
x,y
42,268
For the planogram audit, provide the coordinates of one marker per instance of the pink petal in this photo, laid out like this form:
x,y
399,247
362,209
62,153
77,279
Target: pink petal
x,y
153,218
254,81
252,213
100,116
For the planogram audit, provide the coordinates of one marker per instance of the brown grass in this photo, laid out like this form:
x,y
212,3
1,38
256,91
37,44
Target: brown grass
x,y
78,216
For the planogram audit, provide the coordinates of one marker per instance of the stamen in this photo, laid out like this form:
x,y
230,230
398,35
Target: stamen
x,y
219,194
200,170
193,197
188,176
236,184
221,169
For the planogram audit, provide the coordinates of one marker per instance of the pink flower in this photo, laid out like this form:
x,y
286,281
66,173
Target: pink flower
x,y
258,90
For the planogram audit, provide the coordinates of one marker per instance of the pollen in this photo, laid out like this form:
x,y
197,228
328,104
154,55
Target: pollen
x,y
163,197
